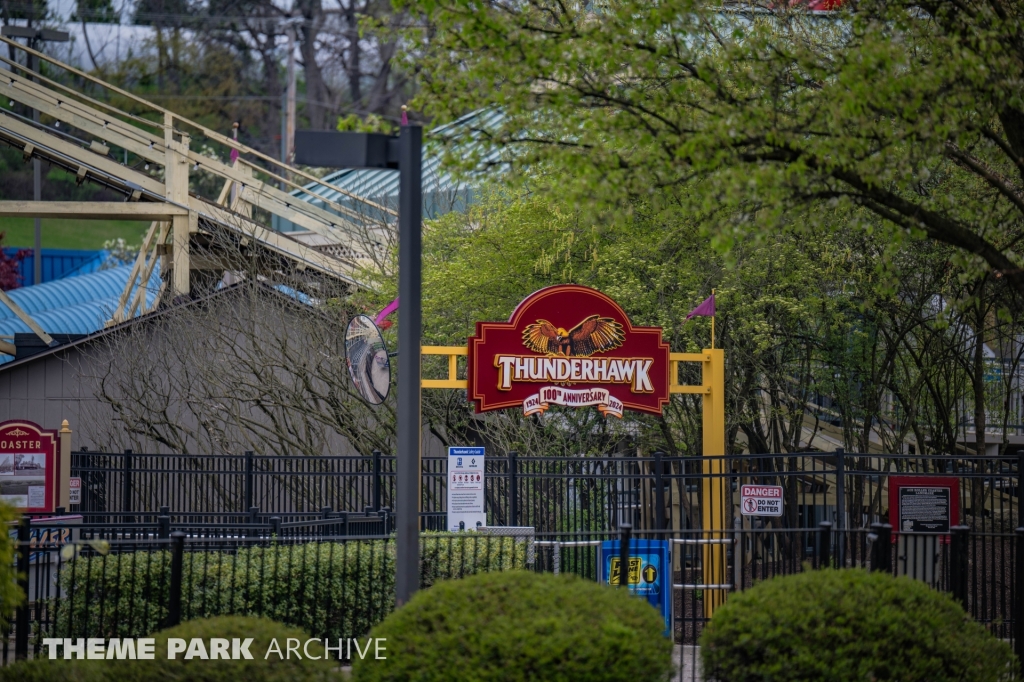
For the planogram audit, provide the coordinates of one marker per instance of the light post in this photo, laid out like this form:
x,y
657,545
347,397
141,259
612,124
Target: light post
x,y
328,149
34,37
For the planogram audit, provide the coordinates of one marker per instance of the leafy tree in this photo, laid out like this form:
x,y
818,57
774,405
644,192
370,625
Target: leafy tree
x,y
910,109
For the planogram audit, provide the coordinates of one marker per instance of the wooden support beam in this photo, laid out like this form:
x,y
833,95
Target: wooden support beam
x,y
76,155
92,210
8,348
139,300
26,318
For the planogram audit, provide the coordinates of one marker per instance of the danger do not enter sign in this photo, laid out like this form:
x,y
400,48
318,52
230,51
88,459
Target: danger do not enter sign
x,y
761,500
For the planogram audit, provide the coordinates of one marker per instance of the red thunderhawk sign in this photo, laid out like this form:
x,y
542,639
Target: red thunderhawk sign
x,y
568,345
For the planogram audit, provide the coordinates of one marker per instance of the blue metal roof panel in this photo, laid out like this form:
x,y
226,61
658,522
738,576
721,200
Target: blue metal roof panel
x,y
441,191
67,292
79,305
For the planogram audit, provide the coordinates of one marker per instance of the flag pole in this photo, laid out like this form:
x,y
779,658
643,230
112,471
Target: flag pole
x,y
713,325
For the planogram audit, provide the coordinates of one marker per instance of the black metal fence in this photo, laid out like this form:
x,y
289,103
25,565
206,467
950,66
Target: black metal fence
x,y
335,586
563,494
338,587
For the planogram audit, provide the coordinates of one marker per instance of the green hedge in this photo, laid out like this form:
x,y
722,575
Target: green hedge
x,y
852,625
332,589
520,626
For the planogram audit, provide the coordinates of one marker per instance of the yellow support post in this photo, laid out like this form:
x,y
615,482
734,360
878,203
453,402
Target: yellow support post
x,y
712,392
713,489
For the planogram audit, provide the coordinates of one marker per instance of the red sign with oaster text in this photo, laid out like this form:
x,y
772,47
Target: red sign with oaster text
x,y
568,345
29,466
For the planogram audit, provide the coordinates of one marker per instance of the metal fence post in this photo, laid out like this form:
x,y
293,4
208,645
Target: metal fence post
x,y
275,525
881,547
249,472
1020,492
625,531
841,507
164,527
177,563
958,563
659,492
824,544
376,480
21,625
513,488
126,486
1018,616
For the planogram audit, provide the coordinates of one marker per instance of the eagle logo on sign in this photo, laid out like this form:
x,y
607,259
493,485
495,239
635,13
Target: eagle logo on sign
x,y
595,334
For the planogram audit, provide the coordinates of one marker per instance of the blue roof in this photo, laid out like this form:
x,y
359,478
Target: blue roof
x,y
76,305
442,192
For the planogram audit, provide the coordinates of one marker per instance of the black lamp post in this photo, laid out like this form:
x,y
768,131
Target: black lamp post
x,y
327,149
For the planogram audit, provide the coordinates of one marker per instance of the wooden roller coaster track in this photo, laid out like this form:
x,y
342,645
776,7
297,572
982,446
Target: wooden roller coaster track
x,y
193,240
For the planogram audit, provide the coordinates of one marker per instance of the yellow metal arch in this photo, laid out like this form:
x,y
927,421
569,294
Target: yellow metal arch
x,y
712,392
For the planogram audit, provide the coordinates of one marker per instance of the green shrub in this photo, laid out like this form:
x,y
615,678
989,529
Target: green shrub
x,y
444,556
333,589
113,595
261,668
45,670
849,625
520,625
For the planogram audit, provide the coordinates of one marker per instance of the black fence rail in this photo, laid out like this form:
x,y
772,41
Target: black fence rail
x,y
334,587
340,586
551,494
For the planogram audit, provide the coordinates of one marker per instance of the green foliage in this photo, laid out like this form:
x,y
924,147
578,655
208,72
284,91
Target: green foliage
x,y
132,588
910,111
10,593
333,589
519,626
96,12
849,625
59,670
263,668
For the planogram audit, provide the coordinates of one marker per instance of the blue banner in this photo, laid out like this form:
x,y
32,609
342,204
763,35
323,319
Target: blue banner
x,y
649,575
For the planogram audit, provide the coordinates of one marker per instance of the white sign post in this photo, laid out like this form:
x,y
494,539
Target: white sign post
x,y
466,488
761,500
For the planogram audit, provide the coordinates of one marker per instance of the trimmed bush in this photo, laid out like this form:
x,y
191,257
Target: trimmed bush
x,y
45,670
334,589
518,626
849,625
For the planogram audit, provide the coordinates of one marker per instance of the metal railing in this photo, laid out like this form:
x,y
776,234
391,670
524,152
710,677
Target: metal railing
x,y
549,493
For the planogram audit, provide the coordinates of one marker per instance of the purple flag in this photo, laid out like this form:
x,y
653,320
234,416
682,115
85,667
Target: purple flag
x,y
706,309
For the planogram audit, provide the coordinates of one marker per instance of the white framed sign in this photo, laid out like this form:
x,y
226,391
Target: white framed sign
x,y
466,488
761,500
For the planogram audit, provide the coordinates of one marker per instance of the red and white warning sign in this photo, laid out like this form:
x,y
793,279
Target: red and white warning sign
x,y
761,500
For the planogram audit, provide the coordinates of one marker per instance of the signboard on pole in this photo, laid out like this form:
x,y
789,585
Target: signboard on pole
x,y
75,490
924,504
650,572
761,500
466,488
568,345
30,467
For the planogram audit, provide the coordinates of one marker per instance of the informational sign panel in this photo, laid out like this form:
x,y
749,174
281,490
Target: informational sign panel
x,y
75,490
49,533
466,488
761,500
924,504
568,345
29,467
649,575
